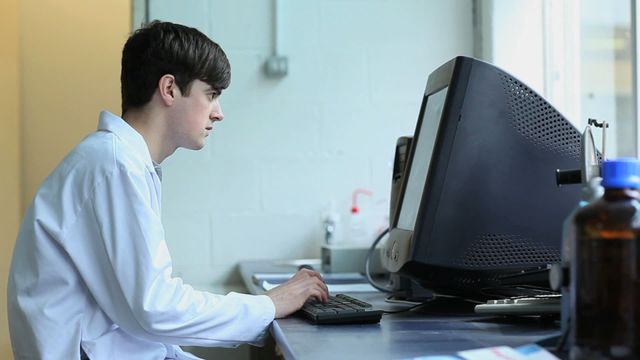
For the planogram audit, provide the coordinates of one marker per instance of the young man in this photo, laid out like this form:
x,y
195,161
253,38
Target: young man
x,y
91,276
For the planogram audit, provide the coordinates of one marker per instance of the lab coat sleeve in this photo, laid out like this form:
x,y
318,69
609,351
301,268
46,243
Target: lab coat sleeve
x,y
128,270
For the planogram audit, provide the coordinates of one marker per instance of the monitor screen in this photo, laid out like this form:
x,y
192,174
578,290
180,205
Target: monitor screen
x,y
420,165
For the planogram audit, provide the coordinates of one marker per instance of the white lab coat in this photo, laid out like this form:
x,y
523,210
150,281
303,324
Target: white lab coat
x,y
91,267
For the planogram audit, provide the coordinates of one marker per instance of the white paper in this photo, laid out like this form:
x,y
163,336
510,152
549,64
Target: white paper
x,y
333,288
525,352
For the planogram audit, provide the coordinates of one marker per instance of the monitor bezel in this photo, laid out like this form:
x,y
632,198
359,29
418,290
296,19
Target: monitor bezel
x,y
401,246
441,78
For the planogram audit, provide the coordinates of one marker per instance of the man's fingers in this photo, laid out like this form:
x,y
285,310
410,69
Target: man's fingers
x,y
320,290
307,272
312,288
319,295
325,291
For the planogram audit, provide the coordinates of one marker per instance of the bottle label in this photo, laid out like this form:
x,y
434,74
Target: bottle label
x,y
606,317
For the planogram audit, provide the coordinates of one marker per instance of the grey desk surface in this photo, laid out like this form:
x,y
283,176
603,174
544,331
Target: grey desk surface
x,y
397,336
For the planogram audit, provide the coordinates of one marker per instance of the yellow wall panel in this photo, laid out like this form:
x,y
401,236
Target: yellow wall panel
x,y
70,71
59,65
9,154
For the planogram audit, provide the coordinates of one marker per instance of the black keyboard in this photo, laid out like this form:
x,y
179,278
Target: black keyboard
x,y
340,309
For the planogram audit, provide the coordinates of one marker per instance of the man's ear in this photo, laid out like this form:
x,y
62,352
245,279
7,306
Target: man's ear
x,y
168,89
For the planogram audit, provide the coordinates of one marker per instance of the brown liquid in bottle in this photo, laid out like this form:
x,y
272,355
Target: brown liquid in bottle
x,y
605,273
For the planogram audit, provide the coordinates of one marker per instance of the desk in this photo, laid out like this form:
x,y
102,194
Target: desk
x,y
397,336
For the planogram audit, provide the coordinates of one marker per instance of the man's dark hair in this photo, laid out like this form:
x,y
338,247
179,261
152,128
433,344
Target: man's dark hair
x,y
162,48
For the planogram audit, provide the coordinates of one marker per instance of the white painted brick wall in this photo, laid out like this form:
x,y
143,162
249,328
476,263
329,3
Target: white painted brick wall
x,y
287,147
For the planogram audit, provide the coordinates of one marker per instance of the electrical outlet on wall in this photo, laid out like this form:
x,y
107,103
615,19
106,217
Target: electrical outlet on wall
x,y
276,66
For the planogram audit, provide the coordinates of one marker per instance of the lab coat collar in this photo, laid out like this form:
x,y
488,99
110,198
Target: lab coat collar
x,y
116,125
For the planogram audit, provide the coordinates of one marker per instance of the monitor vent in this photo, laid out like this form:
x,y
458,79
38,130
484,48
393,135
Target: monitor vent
x,y
496,250
538,121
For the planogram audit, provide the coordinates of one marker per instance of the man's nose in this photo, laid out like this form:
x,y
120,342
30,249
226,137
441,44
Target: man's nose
x,y
216,114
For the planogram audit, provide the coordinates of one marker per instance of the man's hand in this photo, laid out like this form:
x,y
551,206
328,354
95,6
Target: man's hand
x,y
290,296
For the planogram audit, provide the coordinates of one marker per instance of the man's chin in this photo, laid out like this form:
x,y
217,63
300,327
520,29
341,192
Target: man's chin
x,y
195,146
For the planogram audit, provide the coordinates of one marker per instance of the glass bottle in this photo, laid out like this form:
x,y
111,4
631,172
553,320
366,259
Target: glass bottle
x,y
605,271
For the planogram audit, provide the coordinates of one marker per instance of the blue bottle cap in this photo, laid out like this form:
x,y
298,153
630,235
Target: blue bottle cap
x,y
621,173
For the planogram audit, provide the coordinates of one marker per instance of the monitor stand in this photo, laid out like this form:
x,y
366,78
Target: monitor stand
x,y
405,289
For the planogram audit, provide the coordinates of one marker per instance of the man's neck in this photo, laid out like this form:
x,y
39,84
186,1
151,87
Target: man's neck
x,y
151,126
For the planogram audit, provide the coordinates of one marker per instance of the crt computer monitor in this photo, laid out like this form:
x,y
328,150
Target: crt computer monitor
x,y
478,209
